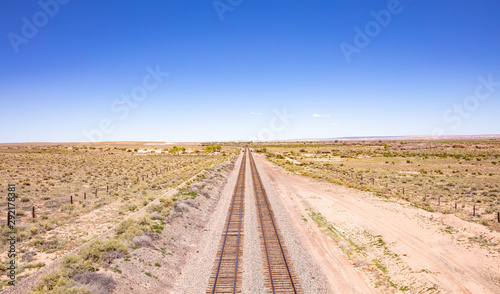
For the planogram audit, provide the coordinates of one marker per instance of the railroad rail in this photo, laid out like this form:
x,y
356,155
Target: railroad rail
x,y
279,274
226,275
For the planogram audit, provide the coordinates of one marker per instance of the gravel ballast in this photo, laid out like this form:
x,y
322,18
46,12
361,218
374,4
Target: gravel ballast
x,y
253,269
196,274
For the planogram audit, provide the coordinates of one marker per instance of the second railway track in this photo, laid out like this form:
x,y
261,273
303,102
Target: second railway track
x,y
226,275
278,273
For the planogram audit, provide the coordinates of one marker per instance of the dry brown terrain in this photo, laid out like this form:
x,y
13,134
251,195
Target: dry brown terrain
x,y
457,176
368,244
346,227
126,176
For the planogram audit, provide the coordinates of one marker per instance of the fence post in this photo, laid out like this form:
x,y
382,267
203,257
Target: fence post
x,y
84,195
403,191
71,199
33,212
107,189
474,210
95,192
498,216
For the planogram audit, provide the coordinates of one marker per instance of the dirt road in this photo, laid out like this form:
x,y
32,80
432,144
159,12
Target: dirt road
x,y
369,244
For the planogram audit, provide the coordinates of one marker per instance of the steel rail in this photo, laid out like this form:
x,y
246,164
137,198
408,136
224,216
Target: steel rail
x,y
241,175
255,174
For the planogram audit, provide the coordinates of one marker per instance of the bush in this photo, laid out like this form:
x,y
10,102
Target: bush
x,y
154,215
157,211
213,148
73,264
143,221
49,282
34,230
55,283
168,202
98,283
123,226
115,245
143,241
28,256
110,256
96,250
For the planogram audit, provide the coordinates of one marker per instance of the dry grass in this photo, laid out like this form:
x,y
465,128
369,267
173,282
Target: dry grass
x,y
126,177
97,283
433,175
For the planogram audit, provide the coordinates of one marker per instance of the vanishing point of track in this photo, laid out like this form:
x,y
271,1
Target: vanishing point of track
x,y
278,272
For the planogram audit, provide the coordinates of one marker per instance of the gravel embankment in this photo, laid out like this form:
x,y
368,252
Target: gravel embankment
x,y
196,274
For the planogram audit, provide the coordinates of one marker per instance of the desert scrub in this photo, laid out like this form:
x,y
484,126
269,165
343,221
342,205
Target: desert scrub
x,y
426,170
55,283
47,176
131,228
168,202
160,210
96,250
74,264
88,259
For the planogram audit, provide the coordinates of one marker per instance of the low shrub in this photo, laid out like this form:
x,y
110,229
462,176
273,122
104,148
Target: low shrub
x,y
74,264
96,250
55,283
97,283
142,241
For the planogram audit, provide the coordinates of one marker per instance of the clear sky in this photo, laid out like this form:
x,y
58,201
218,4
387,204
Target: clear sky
x,y
85,70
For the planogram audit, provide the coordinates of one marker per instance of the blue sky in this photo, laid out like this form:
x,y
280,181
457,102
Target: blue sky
x,y
417,69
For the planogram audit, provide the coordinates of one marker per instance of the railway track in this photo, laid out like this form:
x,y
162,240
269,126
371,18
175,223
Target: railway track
x,y
278,273
226,275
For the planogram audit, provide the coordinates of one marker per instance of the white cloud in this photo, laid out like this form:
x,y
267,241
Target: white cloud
x,y
321,115
120,102
255,113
